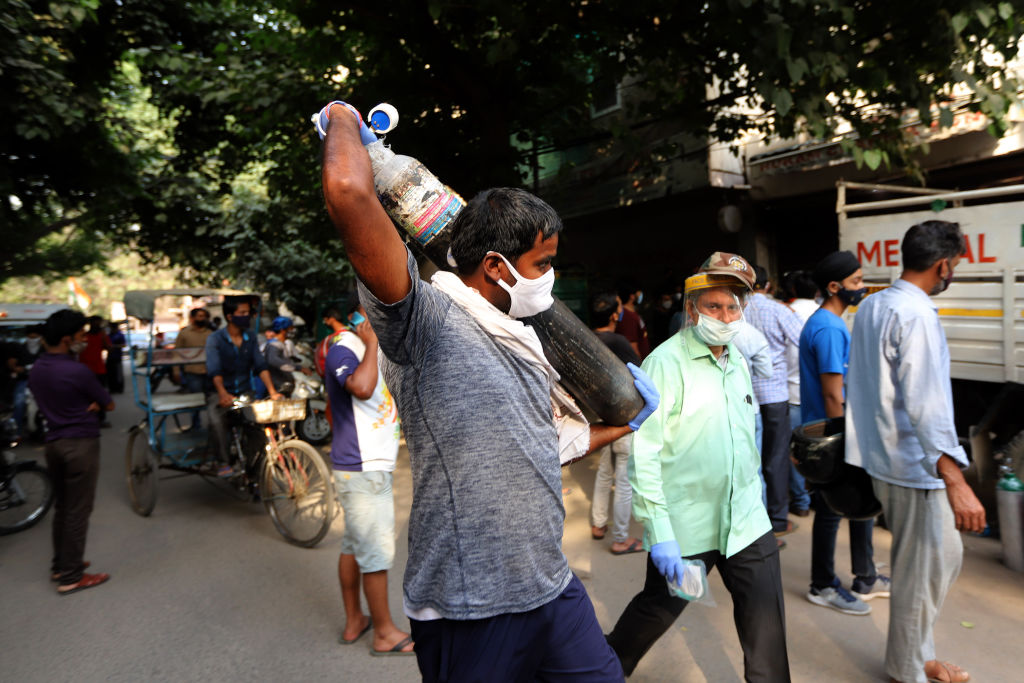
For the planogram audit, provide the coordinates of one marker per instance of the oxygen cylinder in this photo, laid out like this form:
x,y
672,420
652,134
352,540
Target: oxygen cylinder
x,y
1010,502
423,207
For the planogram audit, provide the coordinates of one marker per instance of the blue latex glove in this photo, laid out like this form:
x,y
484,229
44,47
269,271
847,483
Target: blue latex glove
x,y
667,557
648,391
321,118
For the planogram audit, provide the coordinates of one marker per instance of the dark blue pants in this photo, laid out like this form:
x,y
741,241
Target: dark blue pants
x,y
559,641
823,545
775,461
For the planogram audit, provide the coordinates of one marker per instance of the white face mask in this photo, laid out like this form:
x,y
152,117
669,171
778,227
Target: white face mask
x,y
714,332
77,347
33,344
529,297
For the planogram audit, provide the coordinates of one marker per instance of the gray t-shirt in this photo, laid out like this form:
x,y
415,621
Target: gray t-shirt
x,y
485,530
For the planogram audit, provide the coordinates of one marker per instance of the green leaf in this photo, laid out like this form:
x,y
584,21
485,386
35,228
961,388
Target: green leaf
x,y
797,69
1005,10
985,15
783,101
858,155
959,22
945,117
873,158
783,38
434,8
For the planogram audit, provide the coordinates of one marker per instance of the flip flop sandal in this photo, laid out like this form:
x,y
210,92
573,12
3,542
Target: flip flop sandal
x,y
634,547
87,581
56,575
396,651
369,625
954,674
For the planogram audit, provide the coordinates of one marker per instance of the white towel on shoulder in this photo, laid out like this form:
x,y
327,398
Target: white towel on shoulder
x,y
520,339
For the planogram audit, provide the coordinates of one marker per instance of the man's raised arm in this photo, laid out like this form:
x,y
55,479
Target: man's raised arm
x,y
371,241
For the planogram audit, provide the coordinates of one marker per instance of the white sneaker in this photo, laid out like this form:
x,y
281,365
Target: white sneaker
x,y
839,599
881,588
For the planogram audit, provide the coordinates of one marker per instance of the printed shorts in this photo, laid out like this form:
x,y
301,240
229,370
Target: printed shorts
x,y
369,507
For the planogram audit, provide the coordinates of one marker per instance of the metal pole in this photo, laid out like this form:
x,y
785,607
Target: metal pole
x,y
895,188
952,196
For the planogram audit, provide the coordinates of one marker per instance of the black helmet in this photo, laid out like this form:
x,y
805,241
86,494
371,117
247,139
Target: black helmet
x,y
817,448
852,495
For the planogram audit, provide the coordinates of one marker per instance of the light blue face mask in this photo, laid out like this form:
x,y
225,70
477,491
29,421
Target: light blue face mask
x,y
356,319
714,332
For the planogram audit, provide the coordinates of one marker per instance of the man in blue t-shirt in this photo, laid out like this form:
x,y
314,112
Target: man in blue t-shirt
x,y
824,354
363,451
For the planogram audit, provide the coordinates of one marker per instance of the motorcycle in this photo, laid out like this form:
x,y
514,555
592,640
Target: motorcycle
x,y
26,490
315,428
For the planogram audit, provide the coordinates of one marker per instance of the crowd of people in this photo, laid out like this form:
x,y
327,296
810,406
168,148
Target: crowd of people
x,y
735,365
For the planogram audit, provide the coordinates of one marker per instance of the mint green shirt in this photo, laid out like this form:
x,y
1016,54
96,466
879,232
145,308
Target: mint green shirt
x,y
694,461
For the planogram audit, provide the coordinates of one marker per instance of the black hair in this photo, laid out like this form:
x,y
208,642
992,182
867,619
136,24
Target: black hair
x,y
352,303
95,324
929,242
602,307
502,219
761,276
195,311
63,323
334,312
798,284
231,304
627,288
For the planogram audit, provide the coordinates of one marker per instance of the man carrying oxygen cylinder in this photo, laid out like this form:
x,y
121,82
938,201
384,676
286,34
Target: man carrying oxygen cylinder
x,y
695,481
487,588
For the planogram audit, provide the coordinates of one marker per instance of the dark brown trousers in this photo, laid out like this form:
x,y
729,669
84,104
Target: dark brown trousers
x,y
74,466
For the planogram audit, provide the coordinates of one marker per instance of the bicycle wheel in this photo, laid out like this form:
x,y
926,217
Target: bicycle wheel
x,y
24,498
141,469
298,493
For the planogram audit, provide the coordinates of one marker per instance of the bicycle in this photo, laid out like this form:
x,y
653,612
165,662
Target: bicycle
x,y
26,490
287,474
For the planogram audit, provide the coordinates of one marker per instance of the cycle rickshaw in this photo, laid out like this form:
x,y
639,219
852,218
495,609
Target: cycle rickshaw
x,y
289,475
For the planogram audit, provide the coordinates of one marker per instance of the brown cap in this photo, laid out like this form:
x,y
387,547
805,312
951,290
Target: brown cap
x,y
721,269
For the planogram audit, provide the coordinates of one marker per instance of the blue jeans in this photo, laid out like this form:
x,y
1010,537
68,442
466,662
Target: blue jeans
x,y
195,383
758,433
823,546
799,498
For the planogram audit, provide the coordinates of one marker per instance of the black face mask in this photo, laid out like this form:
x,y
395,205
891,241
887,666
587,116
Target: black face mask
x,y
851,297
241,321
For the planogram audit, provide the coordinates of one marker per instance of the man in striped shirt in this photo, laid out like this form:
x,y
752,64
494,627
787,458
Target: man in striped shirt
x,y
781,327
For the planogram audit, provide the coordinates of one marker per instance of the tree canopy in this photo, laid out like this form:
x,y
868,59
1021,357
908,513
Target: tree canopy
x,y
182,127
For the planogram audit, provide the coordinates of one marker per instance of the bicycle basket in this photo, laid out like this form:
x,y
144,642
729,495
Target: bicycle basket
x,y
283,410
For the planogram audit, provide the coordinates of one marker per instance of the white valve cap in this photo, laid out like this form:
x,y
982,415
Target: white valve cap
x,y
383,118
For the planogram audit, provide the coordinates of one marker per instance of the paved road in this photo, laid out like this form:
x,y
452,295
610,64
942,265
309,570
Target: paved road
x,y
205,589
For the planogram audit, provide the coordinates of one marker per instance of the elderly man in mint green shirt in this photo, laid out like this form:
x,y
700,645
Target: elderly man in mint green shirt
x,y
696,489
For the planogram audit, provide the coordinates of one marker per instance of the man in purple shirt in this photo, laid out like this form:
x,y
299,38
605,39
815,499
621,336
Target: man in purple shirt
x,y
71,397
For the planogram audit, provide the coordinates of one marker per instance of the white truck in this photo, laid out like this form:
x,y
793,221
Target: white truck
x,y
982,311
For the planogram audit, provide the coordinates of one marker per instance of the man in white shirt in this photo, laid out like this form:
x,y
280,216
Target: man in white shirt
x,y
363,450
799,292
899,427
